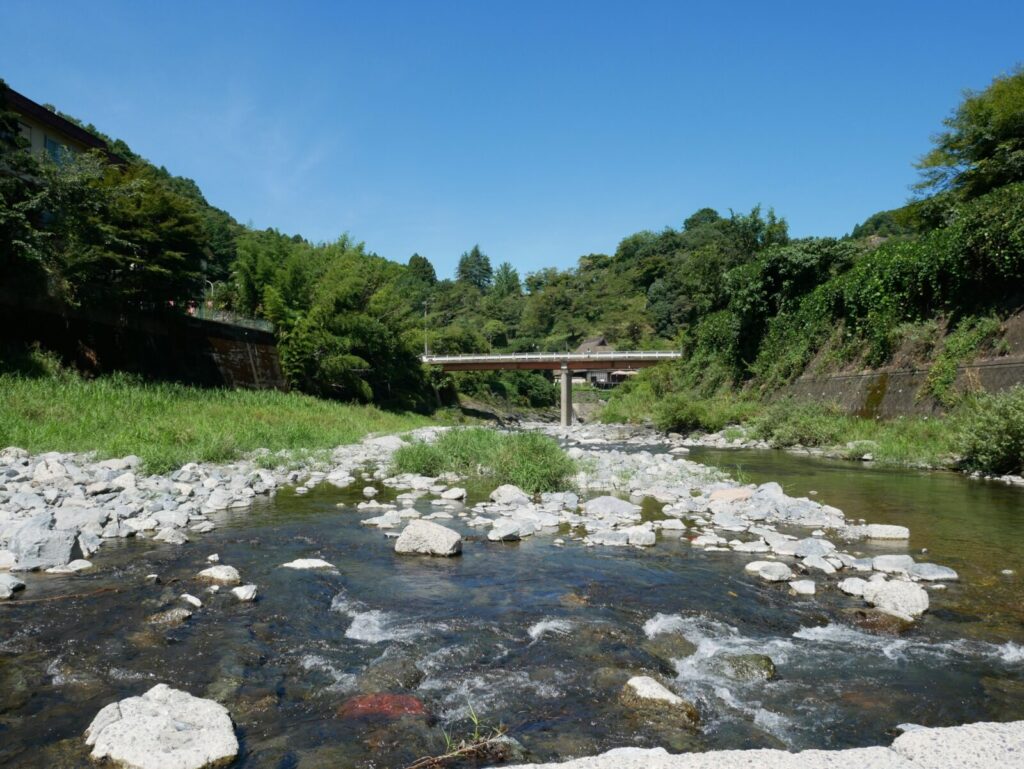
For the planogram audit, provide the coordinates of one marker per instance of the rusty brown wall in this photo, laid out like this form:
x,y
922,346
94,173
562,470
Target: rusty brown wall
x,y
888,394
171,347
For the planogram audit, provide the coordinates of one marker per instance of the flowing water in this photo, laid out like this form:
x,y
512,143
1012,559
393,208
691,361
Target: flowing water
x,y
532,636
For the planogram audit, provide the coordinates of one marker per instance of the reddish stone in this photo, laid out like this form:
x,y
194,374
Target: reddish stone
x,y
382,705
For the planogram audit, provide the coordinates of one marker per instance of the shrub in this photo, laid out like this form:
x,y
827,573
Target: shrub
x,y
992,433
530,461
789,422
960,346
686,411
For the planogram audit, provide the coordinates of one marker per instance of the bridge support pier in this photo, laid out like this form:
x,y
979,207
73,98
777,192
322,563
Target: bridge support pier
x,y
566,401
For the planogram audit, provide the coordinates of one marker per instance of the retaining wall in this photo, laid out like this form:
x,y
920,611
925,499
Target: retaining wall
x,y
164,347
892,393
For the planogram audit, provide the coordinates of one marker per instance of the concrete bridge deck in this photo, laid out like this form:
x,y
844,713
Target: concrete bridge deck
x,y
564,362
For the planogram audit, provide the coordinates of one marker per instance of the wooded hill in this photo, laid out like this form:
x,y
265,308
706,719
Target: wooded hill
x,y
750,305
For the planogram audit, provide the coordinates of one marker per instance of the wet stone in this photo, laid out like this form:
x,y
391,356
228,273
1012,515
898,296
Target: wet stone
x,y
747,667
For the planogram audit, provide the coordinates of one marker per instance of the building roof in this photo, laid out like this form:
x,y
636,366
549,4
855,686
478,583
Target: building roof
x,y
594,344
25,106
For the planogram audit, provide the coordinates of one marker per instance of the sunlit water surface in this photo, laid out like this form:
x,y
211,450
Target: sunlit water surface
x,y
528,635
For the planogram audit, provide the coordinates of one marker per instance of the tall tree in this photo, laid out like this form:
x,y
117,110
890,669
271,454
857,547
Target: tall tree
x,y
983,145
421,269
475,269
506,281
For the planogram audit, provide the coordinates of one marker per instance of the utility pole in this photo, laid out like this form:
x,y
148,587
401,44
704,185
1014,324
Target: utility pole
x,y
426,347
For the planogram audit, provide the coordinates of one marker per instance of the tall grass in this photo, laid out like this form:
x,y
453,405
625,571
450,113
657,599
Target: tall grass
x,y
531,461
167,425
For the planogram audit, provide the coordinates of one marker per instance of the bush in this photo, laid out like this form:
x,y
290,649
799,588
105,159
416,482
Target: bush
x,y
531,461
683,412
789,422
992,433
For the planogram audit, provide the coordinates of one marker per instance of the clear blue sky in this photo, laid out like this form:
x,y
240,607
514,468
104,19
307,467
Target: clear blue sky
x,y
540,130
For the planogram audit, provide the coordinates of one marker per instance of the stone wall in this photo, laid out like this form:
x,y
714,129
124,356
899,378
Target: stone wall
x,y
892,393
168,346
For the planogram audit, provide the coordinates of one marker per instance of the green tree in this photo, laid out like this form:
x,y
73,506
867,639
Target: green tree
x,y
506,281
421,269
983,145
474,269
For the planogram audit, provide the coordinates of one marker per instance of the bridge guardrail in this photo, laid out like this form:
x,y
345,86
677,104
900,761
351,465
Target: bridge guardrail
x,y
554,357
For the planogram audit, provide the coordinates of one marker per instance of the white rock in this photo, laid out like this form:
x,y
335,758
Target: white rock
x,y
853,586
429,538
244,592
932,572
9,585
307,563
453,493
819,563
647,688
171,536
163,729
191,600
79,564
604,507
904,599
510,495
222,575
802,586
370,491
640,536
213,558
8,560
773,571
504,530
885,531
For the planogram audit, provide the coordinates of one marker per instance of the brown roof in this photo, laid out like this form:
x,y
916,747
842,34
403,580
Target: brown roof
x,y
594,344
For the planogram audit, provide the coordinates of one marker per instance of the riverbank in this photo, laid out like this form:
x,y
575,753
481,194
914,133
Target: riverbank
x,y
168,425
984,435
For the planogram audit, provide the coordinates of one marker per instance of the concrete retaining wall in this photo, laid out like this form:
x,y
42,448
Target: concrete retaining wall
x,y
895,393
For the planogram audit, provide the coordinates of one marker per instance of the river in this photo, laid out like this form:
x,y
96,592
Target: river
x,y
529,635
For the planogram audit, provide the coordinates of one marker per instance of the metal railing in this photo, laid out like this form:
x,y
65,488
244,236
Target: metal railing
x,y
554,357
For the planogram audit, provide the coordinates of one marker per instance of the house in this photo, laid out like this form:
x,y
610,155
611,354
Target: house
x,y
46,131
597,344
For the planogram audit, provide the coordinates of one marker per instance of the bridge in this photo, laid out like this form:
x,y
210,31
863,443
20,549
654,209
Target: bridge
x,y
564,362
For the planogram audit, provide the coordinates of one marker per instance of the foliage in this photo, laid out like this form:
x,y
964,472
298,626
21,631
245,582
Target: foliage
x,y
960,346
982,147
531,461
791,423
685,412
992,432
168,425
475,269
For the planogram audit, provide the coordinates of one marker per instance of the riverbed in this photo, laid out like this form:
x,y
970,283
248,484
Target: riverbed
x,y
530,635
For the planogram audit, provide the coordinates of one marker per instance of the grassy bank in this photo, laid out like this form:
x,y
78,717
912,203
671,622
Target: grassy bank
x,y
168,425
530,461
984,432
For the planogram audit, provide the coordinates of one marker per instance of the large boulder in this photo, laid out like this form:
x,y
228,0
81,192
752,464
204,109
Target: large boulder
x,y
892,564
644,693
221,575
9,585
932,572
38,546
428,538
747,667
903,599
163,729
611,507
510,495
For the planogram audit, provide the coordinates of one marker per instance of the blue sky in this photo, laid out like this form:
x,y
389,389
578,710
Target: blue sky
x,y
540,130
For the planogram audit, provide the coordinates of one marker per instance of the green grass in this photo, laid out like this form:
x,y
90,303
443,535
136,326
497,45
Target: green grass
x,y
168,425
530,461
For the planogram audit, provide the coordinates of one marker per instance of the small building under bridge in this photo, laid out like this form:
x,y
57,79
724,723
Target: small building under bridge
x,y
621,362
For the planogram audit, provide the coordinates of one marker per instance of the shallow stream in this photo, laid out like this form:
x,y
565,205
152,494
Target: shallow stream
x,y
532,636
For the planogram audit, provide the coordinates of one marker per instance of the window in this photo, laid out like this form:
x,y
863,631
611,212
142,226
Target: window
x,y
54,148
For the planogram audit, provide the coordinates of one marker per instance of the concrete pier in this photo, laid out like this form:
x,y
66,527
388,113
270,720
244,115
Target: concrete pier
x,y
566,401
